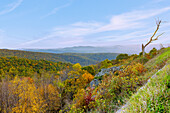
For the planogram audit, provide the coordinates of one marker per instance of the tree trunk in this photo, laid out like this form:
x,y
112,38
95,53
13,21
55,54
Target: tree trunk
x,y
151,38
143,50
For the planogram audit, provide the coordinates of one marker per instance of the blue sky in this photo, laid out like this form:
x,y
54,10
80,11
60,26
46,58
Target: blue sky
x,y
67,23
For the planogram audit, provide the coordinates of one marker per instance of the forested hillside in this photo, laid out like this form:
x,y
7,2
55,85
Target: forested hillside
x,y
83,59
14,66
44,86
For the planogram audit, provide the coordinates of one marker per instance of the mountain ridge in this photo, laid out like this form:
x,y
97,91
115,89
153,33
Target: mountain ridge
x,y
129,49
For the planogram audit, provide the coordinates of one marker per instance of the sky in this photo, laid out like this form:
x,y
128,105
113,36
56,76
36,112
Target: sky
x,y
65,23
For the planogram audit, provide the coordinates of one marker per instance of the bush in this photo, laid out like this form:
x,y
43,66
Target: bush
x,y
143,60
122,56
89,69
153,52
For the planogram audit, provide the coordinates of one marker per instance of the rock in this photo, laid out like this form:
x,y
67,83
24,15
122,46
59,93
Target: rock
x,y
107,71
94,83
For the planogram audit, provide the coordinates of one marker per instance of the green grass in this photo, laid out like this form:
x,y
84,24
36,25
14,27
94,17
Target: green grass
x,y
159,60
154,98
156,63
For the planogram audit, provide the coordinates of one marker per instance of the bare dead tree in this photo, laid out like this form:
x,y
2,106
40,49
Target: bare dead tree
x,y
158,22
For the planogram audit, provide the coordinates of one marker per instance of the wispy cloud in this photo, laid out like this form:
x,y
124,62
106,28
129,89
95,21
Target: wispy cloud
x,y
79,31
10,7
125,21
52,39
131,20
54,11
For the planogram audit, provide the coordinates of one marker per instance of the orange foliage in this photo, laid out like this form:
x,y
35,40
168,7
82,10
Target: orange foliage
x,y
88,77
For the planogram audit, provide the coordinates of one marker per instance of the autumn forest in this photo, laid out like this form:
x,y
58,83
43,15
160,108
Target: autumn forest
x,y
44,86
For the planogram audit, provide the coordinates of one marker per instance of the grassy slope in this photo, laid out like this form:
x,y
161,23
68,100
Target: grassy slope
x,y
154,97
152,66
157,62
83,59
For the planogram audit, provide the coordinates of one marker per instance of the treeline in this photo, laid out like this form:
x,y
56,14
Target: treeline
x,y
96,56
82,58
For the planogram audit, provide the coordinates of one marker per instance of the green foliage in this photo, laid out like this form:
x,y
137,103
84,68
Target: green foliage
x,y
140,54
143,60
134,56
89,69
26,67
122,56
105,64
153,52
96,56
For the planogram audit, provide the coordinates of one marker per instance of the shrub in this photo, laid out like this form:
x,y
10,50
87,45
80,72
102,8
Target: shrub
x,y
89,69
153,52
143,60
122,56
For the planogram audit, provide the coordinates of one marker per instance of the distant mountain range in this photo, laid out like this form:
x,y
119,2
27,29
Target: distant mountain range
x,y
129,49
85,55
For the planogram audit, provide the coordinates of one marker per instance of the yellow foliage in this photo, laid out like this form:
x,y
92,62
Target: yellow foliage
x,y
29,98
79,99
88,77
76,66
53,98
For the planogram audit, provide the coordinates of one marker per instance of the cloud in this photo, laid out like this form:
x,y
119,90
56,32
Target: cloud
x,y
125,21
38,40
52,39
87,24
82,31
10,7
122,38
54,11
137,37
131,20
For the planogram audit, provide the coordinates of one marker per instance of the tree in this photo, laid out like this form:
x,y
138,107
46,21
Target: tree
x,y
158,22
89,69
88,77
122,56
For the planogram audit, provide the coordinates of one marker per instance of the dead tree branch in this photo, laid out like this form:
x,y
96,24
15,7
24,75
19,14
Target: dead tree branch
x,y
158,22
